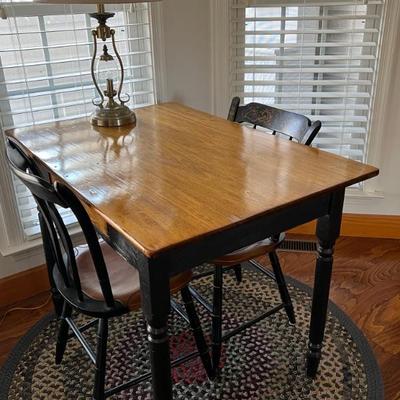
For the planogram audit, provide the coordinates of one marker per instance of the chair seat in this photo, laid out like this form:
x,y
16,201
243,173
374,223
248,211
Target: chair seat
x,y
255,250
124,278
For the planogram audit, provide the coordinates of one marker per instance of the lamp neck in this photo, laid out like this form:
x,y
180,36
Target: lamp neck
x,y
103,31
100,9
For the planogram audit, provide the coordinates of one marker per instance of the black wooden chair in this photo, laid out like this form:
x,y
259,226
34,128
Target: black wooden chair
x,y
97,281
293,126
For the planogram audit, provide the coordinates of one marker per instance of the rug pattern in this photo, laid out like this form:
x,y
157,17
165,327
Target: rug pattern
x,y
265,362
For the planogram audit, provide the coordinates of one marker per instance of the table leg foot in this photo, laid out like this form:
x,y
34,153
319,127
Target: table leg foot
x,y
160,362
313,358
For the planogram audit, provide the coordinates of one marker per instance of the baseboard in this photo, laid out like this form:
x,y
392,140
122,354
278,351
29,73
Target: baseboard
x,y
361,225
23,285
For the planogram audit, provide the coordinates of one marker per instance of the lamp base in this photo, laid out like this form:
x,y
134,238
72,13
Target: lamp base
x,y
116,116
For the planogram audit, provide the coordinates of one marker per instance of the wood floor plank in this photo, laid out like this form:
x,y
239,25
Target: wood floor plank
x,y
366,285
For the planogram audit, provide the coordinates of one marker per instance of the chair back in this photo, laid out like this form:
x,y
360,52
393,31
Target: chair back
x,y
55,233
295,126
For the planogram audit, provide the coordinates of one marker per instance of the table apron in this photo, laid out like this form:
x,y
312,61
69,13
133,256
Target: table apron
x,y
219,243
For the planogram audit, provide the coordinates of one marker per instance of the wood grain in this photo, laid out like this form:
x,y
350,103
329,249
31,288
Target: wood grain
x,y
362,225
365,284
181,174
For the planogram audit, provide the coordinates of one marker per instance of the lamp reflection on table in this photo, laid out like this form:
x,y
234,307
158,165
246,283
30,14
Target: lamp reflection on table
x,y
115,141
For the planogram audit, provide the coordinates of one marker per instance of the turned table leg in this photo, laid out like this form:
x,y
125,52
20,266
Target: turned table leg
x,y
328,230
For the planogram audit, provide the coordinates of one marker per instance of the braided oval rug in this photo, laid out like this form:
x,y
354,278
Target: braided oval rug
x,y
266,362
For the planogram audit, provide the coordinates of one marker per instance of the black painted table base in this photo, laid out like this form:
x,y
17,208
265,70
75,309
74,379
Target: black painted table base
x,y
155,272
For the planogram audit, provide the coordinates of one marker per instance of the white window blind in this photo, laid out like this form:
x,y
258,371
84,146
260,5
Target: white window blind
x,y
45,56
318,58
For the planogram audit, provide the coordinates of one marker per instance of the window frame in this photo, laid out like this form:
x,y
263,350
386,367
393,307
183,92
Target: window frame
x,y
221,88
13,241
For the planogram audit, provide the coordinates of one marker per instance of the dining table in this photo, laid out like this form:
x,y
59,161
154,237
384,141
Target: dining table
x,y
182,187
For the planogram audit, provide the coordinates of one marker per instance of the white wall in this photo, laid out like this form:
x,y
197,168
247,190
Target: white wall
x,y
187,46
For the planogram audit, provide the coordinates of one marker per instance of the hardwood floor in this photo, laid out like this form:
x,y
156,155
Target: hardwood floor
x,y
366,284
17,323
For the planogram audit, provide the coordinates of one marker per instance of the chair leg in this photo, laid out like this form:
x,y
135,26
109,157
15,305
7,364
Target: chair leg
x,y
238,273
197,330
63,333
101,357
283,290
217,318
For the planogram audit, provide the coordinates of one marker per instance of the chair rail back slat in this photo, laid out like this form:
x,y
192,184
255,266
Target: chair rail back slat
x,y
296,126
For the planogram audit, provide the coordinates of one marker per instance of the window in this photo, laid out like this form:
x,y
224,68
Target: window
x,y
45,56
315,57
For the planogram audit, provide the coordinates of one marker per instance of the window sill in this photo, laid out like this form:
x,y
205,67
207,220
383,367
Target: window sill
x,y
34,247
355,193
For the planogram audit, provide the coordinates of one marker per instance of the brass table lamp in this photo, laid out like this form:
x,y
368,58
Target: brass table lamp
x,y
111,109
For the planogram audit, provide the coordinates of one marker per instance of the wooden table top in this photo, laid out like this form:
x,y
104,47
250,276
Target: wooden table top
x,y
181,174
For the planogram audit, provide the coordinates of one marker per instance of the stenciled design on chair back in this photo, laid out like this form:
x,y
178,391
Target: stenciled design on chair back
x,y
65,271
296,126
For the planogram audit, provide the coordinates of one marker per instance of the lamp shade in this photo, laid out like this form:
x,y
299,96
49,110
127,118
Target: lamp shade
x,y
92,1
